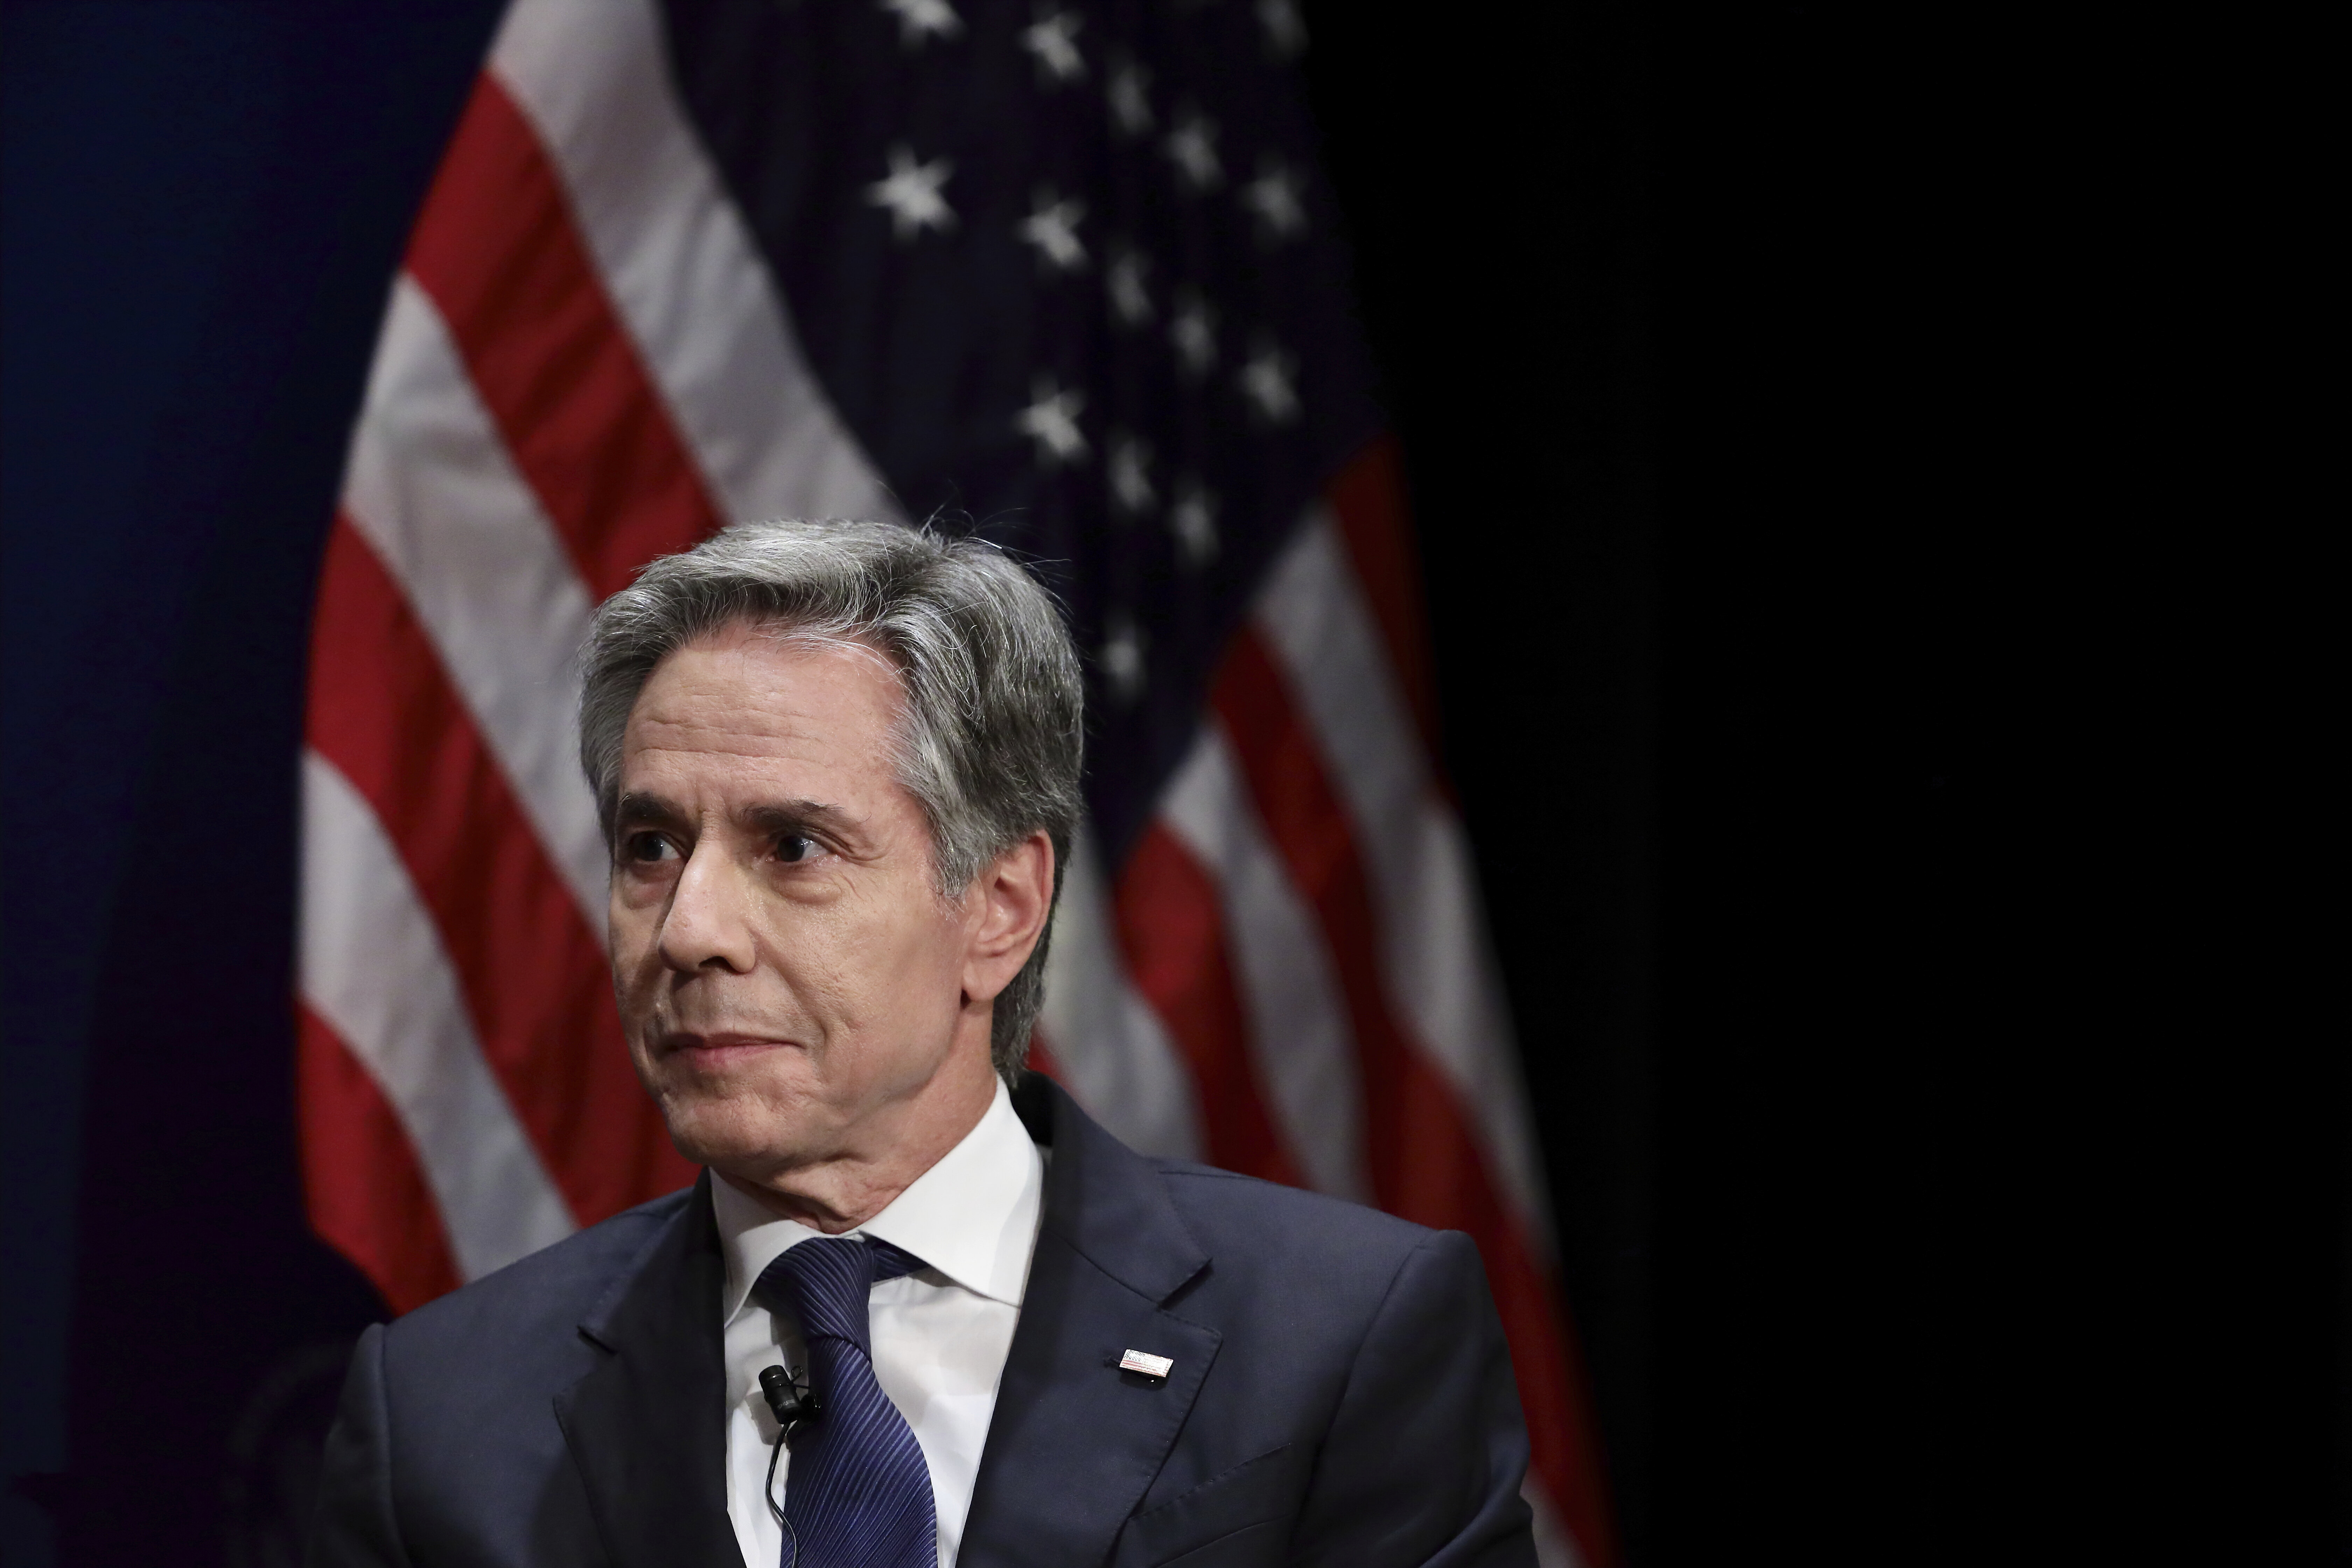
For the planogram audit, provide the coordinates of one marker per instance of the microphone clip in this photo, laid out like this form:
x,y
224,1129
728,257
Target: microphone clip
x,y
790,1399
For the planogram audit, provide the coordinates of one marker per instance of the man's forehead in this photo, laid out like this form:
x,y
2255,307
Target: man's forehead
x,y
760,718
758,684
654,806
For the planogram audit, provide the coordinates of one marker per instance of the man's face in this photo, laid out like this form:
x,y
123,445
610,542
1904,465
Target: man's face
x,y
787,972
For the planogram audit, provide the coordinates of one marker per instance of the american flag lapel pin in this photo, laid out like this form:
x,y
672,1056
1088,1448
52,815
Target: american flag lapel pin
x,y
1152,1366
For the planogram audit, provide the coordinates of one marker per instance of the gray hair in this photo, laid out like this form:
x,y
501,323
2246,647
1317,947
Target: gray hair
x,y
991,738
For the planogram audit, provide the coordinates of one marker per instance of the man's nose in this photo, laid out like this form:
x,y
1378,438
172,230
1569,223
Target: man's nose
x,y
710,918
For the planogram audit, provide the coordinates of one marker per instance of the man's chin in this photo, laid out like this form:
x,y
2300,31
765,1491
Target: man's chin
x,y
746,1129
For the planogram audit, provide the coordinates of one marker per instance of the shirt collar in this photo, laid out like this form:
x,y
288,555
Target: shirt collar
x,y
972,1216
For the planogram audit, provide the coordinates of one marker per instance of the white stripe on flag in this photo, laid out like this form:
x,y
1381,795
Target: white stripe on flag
x,y
373,967
683,269
432,487
1297,1018
1118,1060
1435,959
1555,1547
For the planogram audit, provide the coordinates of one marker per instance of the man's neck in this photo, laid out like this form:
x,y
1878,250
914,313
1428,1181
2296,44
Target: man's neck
x,y
841,1193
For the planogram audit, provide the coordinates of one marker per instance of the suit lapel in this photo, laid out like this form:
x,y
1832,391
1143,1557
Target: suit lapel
x,y
1075,1443
648,1426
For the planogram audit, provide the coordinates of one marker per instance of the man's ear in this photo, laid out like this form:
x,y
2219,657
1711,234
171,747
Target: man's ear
x,y
1016,892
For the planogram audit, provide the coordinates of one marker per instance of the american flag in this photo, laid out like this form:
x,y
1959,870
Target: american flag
x,y
1066,276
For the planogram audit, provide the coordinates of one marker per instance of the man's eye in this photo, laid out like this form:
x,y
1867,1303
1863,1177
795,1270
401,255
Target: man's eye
x,y
795,847
647,849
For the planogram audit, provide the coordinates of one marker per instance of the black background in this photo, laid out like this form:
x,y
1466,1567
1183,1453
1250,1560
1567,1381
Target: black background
x,y
1835,699
1673,355
1858,461
204,205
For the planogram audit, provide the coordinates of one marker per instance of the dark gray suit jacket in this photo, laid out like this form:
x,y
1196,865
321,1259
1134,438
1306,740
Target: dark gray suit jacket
x,y
1342,1393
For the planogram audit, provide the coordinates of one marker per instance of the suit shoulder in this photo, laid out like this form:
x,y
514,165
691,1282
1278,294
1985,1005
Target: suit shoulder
x,y
1227,1210
554,1287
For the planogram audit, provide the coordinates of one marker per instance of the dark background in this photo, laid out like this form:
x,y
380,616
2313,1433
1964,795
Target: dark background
x,y
1668,341
1823,699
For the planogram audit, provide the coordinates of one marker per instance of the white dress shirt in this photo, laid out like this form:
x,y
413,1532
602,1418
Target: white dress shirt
x,y
940,1334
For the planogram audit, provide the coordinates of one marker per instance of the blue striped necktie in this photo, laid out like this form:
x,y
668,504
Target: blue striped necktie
x,y
858,1494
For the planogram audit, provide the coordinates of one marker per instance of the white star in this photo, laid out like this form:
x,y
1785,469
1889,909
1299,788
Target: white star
x,y
1053,39
1272,198
1195,519
1266,381
1052,421
1193,147
1130,298
1131,473
1285,33
920,19
1130,99
912,194
1122,657
1194,333
1053,228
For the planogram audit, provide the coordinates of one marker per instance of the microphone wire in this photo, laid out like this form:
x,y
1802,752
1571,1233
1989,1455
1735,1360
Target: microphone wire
x,y
768,1491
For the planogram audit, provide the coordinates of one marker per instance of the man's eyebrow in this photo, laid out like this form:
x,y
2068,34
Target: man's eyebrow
x,y
792,815
638,805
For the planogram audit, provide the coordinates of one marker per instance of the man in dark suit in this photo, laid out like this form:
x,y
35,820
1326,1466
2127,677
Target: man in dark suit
x,y
919,1308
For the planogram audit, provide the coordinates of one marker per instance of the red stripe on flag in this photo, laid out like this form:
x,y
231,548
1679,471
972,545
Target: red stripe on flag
x,y
1367,498
1171,932
365,1189
1426,1164
532,972
498,250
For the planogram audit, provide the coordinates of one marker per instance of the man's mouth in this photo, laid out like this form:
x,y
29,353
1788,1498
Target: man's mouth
x,y
718,1052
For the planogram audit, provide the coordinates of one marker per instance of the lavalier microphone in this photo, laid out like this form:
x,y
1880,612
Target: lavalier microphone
x,y
791,1401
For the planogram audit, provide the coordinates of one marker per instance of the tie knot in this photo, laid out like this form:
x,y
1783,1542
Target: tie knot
x,y
823,1283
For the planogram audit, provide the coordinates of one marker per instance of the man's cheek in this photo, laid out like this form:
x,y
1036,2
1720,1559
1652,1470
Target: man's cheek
x,y
631,929
637,960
